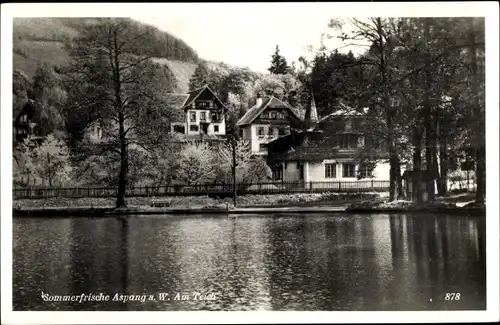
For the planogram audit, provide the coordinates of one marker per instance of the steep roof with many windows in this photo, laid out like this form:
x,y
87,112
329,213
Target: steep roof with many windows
x,y
255,111
193,95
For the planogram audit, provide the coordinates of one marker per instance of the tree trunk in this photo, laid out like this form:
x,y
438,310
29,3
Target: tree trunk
x,y
443,166
479,125
393,158
399,180
122,181
417,166
429,132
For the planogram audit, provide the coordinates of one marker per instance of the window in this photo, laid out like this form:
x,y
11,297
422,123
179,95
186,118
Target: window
x,y
262,147
278,174
365,171
348,125
280,115
348,170
260,131
203,116
202,104
273,115
178,128
216,128
330,170
215,117
193,116
395,102
270,132
281,131
193,128
265,115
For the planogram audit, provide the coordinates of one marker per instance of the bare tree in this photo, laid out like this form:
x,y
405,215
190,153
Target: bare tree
x,y
113,80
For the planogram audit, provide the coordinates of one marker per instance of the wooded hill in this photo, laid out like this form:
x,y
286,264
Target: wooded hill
x,y
42,40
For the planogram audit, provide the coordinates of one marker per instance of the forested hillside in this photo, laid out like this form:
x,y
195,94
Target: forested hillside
x,y
44,40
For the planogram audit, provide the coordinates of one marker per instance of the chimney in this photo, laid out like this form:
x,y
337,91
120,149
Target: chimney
x,y
258,102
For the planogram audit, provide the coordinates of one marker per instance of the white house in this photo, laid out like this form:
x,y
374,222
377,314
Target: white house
x,y
267,120
201,114
330,150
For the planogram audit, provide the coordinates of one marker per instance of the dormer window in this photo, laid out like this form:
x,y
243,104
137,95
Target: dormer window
x,y
273,115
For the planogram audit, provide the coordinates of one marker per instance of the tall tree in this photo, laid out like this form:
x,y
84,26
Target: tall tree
x,y
478,112
375,32
278,63
200,77
120,88
49,96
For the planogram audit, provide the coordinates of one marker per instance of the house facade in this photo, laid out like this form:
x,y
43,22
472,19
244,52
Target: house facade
x,y
267,120
201,114
23,124
333,149
197,116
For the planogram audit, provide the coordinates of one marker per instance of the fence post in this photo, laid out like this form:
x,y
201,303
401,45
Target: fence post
x,y
310,186
372,183
340,186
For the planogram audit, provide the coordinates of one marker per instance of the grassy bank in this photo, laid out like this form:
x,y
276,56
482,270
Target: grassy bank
x,y
283,200
442,205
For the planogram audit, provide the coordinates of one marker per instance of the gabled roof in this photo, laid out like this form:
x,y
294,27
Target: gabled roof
x,y
29,108
196,93
256,110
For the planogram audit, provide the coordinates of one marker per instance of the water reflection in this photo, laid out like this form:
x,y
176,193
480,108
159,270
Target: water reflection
x,y
292,262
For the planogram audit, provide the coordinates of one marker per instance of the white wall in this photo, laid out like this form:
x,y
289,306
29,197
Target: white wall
x,y
255,140
222,124
316,171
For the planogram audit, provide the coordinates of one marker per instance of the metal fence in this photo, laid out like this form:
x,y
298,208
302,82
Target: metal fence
x,y
204,189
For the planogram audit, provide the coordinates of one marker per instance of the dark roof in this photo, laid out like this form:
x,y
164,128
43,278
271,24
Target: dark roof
x,y
317,147
196,93
29,108
255,111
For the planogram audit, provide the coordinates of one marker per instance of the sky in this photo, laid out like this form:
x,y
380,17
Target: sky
x,y
246,35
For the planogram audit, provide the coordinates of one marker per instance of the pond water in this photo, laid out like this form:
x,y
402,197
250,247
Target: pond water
x,y
282,262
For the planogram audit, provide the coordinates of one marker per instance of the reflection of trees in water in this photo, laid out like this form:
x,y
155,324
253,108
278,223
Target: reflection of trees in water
x,y
98,260
441,255
40,259
124,265
322,263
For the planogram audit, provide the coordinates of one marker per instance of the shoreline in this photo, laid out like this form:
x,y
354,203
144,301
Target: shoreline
x,y
106,212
